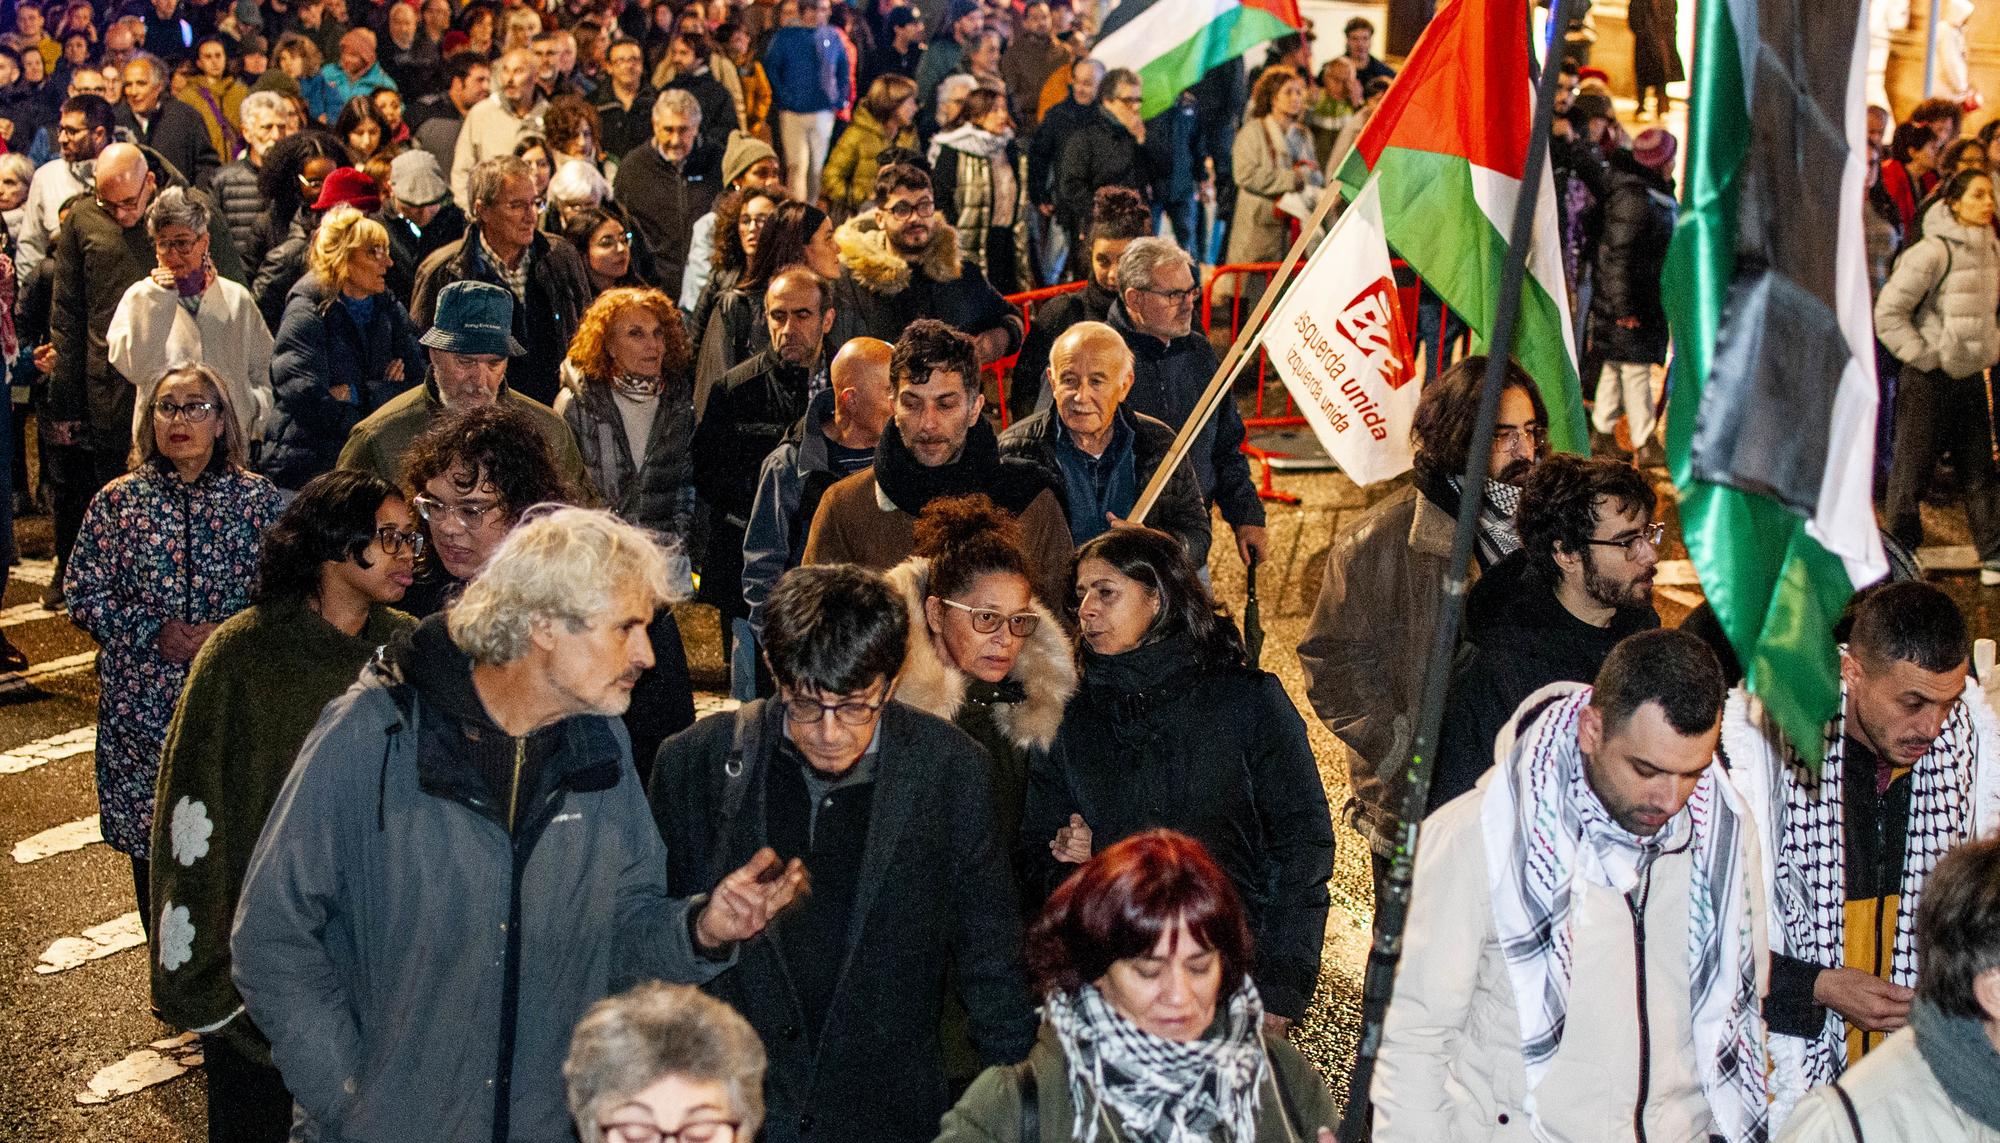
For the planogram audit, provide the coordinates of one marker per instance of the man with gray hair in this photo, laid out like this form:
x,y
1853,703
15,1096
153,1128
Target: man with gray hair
x,y
1100,452
494,123
164,123
503,246
669,181
1172,364
267,117
462,862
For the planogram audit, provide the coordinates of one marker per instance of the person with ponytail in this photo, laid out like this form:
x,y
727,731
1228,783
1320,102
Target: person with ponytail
x,y
1172,728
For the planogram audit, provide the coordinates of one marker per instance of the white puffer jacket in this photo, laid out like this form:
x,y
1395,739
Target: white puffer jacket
x,y
1937,310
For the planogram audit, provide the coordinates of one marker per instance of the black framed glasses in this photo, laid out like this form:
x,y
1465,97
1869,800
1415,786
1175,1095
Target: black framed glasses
x,y
1651,536
1175,297
177,246
801,711
698,1131
194,412
986,621
922,209
471,517
394,542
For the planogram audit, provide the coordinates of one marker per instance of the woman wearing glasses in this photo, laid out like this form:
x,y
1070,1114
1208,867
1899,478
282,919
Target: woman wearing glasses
x,y
665,1063
343,552
346,346
166,553
1173,728
794,234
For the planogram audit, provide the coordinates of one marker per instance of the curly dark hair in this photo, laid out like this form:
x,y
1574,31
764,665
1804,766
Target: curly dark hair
x,y
331,519
1118,213
928,346
1558,512
728,209
1441,431
494,444
566,118
1160,565
278,180
965,538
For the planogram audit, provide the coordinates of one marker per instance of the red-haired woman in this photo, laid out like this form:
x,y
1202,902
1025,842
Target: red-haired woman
x,y
1154,1028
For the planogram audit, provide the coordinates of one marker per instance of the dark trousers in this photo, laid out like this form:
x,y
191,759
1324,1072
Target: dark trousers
x,y
1186,217
142,892
1935,415
75,473
247,1100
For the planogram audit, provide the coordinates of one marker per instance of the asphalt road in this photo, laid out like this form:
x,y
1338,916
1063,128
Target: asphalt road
x,y
60,1030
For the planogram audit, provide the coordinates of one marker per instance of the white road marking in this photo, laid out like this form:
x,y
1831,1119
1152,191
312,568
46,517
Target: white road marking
x,y
53,669
68,744
97,942
154,1064
708,702
38,572
25,613
62,839
1675,573
1948,558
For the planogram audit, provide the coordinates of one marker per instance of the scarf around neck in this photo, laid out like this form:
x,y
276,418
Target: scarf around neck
x,y
910,484
1159,1090
1546,834
1963,1059
1498,538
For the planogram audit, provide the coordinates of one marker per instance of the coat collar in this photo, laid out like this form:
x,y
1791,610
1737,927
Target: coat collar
x,y
869,260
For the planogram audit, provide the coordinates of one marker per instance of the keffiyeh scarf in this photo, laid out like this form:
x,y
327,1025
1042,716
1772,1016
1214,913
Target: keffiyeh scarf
x,y
1159,1090
1497,535
1546,834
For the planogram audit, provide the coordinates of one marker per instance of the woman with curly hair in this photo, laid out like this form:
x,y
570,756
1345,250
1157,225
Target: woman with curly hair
x,y
740,219
571,127
332,567
628,395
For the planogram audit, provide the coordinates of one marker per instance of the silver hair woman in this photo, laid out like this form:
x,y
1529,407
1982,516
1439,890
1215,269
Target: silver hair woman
x,y
665,1061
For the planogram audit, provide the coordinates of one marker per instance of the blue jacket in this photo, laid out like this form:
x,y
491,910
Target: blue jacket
x,y
807,68
329,91
318,347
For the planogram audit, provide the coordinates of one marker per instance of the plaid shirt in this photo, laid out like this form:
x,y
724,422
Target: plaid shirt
x,y
517,278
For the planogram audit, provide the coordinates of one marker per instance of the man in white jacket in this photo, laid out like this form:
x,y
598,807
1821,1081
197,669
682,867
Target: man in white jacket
x,y
1911,769
496,122
1602,870
186,314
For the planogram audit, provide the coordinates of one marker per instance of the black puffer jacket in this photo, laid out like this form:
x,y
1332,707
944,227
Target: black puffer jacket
x,y
1101,153
409,245
1162,738
1638,223
318,347
1167,379
241,204
880,294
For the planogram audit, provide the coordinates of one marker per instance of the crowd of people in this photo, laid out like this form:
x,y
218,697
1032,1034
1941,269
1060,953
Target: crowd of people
x,y
394,367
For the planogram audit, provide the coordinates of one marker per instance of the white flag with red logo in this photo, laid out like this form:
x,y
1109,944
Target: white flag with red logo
x,y
1337,338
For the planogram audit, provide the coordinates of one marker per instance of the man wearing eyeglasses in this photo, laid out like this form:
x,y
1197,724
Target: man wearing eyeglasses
x,y
419,215
892,813
1552,611
1108,150
82,133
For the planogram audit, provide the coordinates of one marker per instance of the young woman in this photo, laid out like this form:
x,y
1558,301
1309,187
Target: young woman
x,y
332,566
218,96
981,186
1273,157
886,117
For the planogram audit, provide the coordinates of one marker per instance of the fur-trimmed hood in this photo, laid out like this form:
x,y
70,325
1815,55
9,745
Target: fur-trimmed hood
x,y
931,683
865,252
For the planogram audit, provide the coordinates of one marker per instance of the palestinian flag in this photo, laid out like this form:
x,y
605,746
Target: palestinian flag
x,y
1771,429
1448,150
1173,43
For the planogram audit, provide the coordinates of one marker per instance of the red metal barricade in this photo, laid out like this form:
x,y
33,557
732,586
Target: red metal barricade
x,y
1003,369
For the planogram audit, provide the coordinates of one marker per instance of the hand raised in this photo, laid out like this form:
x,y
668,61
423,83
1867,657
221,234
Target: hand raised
x,y
1072,842
746,900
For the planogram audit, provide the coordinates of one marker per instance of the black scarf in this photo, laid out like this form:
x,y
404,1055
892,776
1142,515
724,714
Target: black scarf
x,y
910,484
1126,690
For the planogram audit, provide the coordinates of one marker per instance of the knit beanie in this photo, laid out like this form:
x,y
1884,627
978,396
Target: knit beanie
x,y
742,153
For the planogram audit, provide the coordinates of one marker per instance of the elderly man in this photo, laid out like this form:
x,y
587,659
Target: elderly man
x,y
901,262
419,215
267,118
441,1005
82,133
893,812
1365,652
165,124
494,123
1173,364
357,73
1912,768
834,440
689,57
555,66
503,246
469,346
1101,453
938,444
1118,216
668,182
1602,870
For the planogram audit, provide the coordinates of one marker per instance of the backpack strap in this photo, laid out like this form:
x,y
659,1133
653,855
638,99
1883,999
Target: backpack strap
x,y
1031,1103
733,782
1847,1105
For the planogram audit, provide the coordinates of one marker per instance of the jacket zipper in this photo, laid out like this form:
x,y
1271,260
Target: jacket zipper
x,y
514,791
1636,902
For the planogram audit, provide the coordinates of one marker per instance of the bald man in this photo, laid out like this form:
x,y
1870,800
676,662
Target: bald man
x,y
1101,453
835,439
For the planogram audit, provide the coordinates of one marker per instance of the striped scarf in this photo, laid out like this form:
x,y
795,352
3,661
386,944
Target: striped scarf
x,y
1160,1090
1545,829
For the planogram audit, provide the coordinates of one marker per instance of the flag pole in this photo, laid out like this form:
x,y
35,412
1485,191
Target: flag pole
x,y
1387,947
1239,355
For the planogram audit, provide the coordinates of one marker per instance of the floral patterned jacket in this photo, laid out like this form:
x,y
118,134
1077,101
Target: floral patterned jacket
x,y
154,548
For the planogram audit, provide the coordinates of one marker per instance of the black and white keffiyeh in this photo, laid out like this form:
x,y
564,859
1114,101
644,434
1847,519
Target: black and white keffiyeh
x,y
1497,535
1160,1090
1951,796
1544,830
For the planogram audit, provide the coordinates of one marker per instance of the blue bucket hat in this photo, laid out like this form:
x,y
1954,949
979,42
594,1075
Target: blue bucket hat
x,y
475,319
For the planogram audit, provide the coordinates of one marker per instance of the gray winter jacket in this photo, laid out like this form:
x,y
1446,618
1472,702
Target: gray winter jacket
x,y
396,946
1936,312
654,491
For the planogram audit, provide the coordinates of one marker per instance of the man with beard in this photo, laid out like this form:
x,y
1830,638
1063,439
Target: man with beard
x,y
83,131
1551,612
1912,768
938,444
1365,651
902,263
